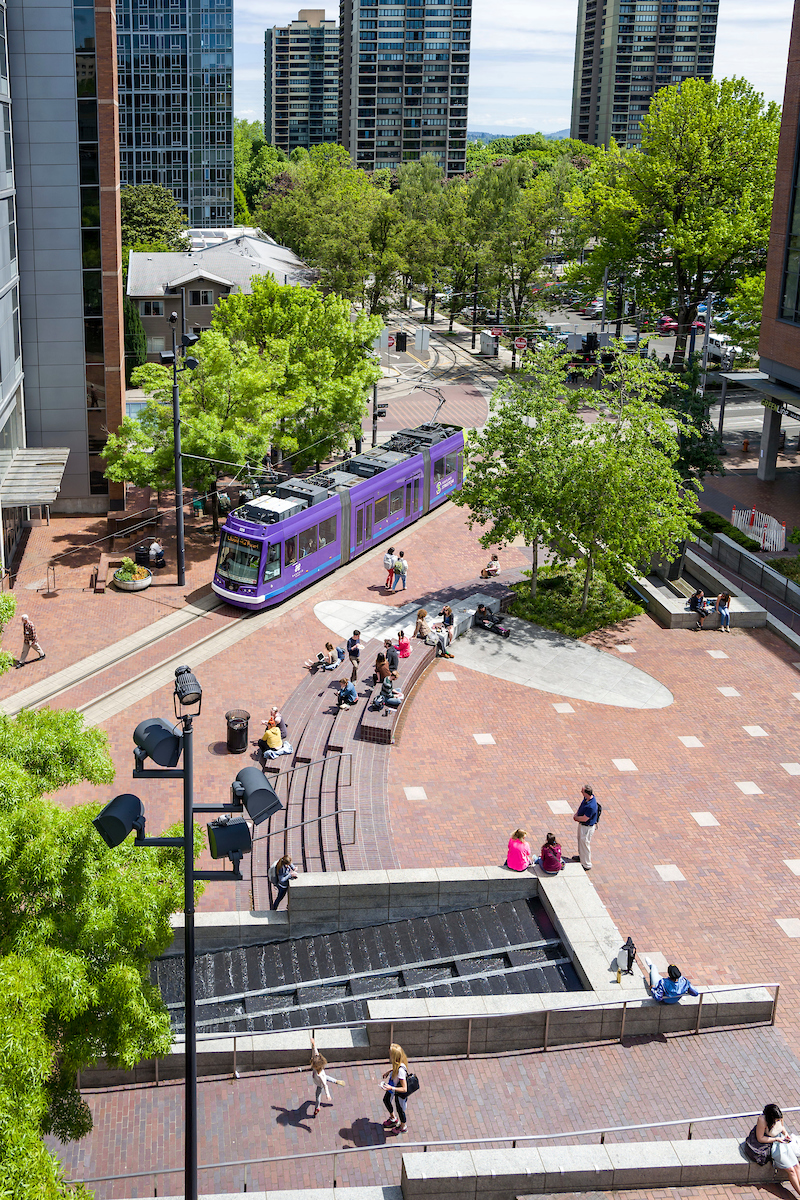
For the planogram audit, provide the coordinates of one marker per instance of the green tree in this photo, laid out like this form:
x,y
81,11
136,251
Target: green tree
x,y
516,466
266,164
622,500
228,411
746,305
8,606
150,215
79,927
135,338
697,439
241,213
690,212
320,361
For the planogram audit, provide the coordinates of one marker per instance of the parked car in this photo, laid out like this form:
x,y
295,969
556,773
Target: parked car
x,y
593,309
668,325
721,348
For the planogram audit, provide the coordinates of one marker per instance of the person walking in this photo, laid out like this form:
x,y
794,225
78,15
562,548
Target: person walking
x,y
388,562
320,1076
587,816
354,649
29,640
724,610
400,570
285,872
395,1087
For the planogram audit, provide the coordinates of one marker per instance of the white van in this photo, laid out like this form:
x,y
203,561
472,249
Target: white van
x,y
720,346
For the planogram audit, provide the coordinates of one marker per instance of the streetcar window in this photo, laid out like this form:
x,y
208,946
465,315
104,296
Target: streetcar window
x,y
290,550
272,567
308,541
327,532
438,469
451,463
238,559
381,509
397,500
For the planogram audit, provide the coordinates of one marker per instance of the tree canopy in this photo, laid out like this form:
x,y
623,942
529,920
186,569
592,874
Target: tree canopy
x,y
689,213
79,926
151,217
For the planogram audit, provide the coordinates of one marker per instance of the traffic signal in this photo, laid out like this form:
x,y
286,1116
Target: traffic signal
x,y
401,342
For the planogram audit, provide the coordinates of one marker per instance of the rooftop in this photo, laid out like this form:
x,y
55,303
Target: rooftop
x,y
230,262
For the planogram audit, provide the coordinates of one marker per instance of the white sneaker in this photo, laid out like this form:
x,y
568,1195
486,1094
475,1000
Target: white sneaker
x,y
648,963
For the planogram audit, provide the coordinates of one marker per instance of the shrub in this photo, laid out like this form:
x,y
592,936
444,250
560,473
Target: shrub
x,y
790,567
713,523
557,602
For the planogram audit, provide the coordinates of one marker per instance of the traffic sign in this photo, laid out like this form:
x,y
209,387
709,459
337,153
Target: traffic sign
x,y
497,331
520,343
381,408
391,340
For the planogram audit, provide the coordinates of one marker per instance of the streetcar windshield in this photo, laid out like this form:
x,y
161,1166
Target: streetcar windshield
x,y
238,558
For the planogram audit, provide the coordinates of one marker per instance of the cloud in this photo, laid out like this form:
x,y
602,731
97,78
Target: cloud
x,y
523,54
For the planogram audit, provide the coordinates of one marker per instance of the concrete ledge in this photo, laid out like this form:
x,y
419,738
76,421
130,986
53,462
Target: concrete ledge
x,y
352,1193
671,611
225,930
505,1174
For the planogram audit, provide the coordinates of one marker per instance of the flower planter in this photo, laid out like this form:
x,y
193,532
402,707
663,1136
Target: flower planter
x,y
134,585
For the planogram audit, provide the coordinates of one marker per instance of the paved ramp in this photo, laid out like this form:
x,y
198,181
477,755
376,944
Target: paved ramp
x,y
532,657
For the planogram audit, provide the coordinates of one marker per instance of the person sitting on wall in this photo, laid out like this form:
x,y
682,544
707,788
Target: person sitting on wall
x,y
347,694
669,990
492,568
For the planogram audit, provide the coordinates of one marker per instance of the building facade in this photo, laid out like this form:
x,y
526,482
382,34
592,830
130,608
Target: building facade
x,y
301,82
64,134
404,82
625,51
176,102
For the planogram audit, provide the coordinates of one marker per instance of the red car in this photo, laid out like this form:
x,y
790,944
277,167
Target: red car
x,y
669,325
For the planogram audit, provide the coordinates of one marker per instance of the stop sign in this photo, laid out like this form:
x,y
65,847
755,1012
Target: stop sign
x,y
497,331
520,343
391,340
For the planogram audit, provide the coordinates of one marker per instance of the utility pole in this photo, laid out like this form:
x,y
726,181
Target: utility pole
x,y
374,414
474,304
605,297
709,316
620,306
176,443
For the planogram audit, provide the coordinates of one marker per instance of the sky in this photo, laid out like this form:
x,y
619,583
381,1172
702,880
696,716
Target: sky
x,y
530,45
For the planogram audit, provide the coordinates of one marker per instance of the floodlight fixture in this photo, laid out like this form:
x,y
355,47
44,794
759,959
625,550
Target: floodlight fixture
x,y
253,790
159,740
187,690
121,816
229,839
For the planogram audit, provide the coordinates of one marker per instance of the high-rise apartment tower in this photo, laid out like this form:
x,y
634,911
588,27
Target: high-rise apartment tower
x,y
626,51
176,102
404,82
301,82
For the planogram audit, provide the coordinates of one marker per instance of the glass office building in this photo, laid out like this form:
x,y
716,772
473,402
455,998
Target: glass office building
x,y
176,102
404,82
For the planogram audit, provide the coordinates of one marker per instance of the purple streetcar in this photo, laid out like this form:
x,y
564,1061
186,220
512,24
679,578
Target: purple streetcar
x,y
273,546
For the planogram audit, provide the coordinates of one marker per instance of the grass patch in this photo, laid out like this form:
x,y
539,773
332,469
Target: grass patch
x,y
713,523
558,600
790,567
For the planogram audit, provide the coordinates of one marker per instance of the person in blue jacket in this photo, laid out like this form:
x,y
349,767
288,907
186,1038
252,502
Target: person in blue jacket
x,y
669,990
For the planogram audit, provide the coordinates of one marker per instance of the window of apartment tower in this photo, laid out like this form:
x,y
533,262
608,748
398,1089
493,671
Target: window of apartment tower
x,y
790,306
203,298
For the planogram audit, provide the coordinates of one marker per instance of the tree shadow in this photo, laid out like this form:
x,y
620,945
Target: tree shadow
x,y
611,636
295,1117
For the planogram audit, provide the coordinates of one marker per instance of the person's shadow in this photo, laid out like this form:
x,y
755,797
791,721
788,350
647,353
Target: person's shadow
x,y
364,1132
295,1117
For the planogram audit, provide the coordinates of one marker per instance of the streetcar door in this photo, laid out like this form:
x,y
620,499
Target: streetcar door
x,y
409,498
359,526
368,522
417,487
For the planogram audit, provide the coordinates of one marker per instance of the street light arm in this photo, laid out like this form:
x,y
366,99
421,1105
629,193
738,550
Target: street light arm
x,y
159,841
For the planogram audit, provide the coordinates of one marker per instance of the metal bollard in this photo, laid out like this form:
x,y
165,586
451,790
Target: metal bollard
x,y
775,1003
699,1013
546,1028
469,1037
622,1022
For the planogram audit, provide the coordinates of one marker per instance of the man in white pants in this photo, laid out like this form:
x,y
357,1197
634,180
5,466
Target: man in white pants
x,y
30,640
587,816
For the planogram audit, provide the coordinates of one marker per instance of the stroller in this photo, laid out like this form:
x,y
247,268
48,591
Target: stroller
x,y
486,619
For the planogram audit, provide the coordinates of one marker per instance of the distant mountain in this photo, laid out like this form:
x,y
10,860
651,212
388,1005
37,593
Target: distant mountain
x,y
474,136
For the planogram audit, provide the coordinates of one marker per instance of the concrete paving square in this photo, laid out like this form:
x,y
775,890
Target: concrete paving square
x,y
626,649
564,708
670,873
691,743
793,864
791,768
705,819
624,764
415,793
749,788
484,739
755,731
716,653
446,676
728,691
561,807
789,925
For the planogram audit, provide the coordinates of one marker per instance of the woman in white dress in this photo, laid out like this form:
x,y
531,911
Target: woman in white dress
x,y
320,1076
769,1136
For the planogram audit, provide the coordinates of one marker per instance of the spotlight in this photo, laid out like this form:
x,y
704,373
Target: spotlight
x,y
256,793
119,818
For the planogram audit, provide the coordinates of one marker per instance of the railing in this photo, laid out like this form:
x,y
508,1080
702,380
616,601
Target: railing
x,y
622,1005
509,1140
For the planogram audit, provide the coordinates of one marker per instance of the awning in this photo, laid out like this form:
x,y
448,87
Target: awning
x,y
34,476
763,384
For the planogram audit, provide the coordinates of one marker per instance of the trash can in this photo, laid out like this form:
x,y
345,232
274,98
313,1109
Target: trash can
x,y
142,556
238,726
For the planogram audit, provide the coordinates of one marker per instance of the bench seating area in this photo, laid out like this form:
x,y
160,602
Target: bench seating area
x,y
379,726
99,577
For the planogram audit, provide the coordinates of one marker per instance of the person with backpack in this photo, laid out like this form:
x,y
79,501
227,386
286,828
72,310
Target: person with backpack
x,y
388,562
398,1084
587,816
280,876
400,570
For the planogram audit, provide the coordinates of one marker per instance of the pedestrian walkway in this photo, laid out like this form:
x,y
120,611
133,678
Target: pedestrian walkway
x,y
532,656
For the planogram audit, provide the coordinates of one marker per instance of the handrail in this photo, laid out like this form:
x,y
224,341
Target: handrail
x,y
340,754
603,1131
484,1016
315,821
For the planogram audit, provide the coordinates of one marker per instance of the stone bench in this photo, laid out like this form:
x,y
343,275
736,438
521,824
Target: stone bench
x,y
505,1174
315,738
378,726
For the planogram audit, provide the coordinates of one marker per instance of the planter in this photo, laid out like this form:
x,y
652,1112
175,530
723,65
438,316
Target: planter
x,y
145,578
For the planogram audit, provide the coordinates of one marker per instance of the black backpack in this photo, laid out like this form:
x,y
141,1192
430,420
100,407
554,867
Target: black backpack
x,y
412,1084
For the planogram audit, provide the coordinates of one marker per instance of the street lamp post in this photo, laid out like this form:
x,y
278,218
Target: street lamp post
x,y
187,339
158,739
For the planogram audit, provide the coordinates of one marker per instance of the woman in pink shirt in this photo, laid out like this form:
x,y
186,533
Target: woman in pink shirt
x,y
519,851
403,645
